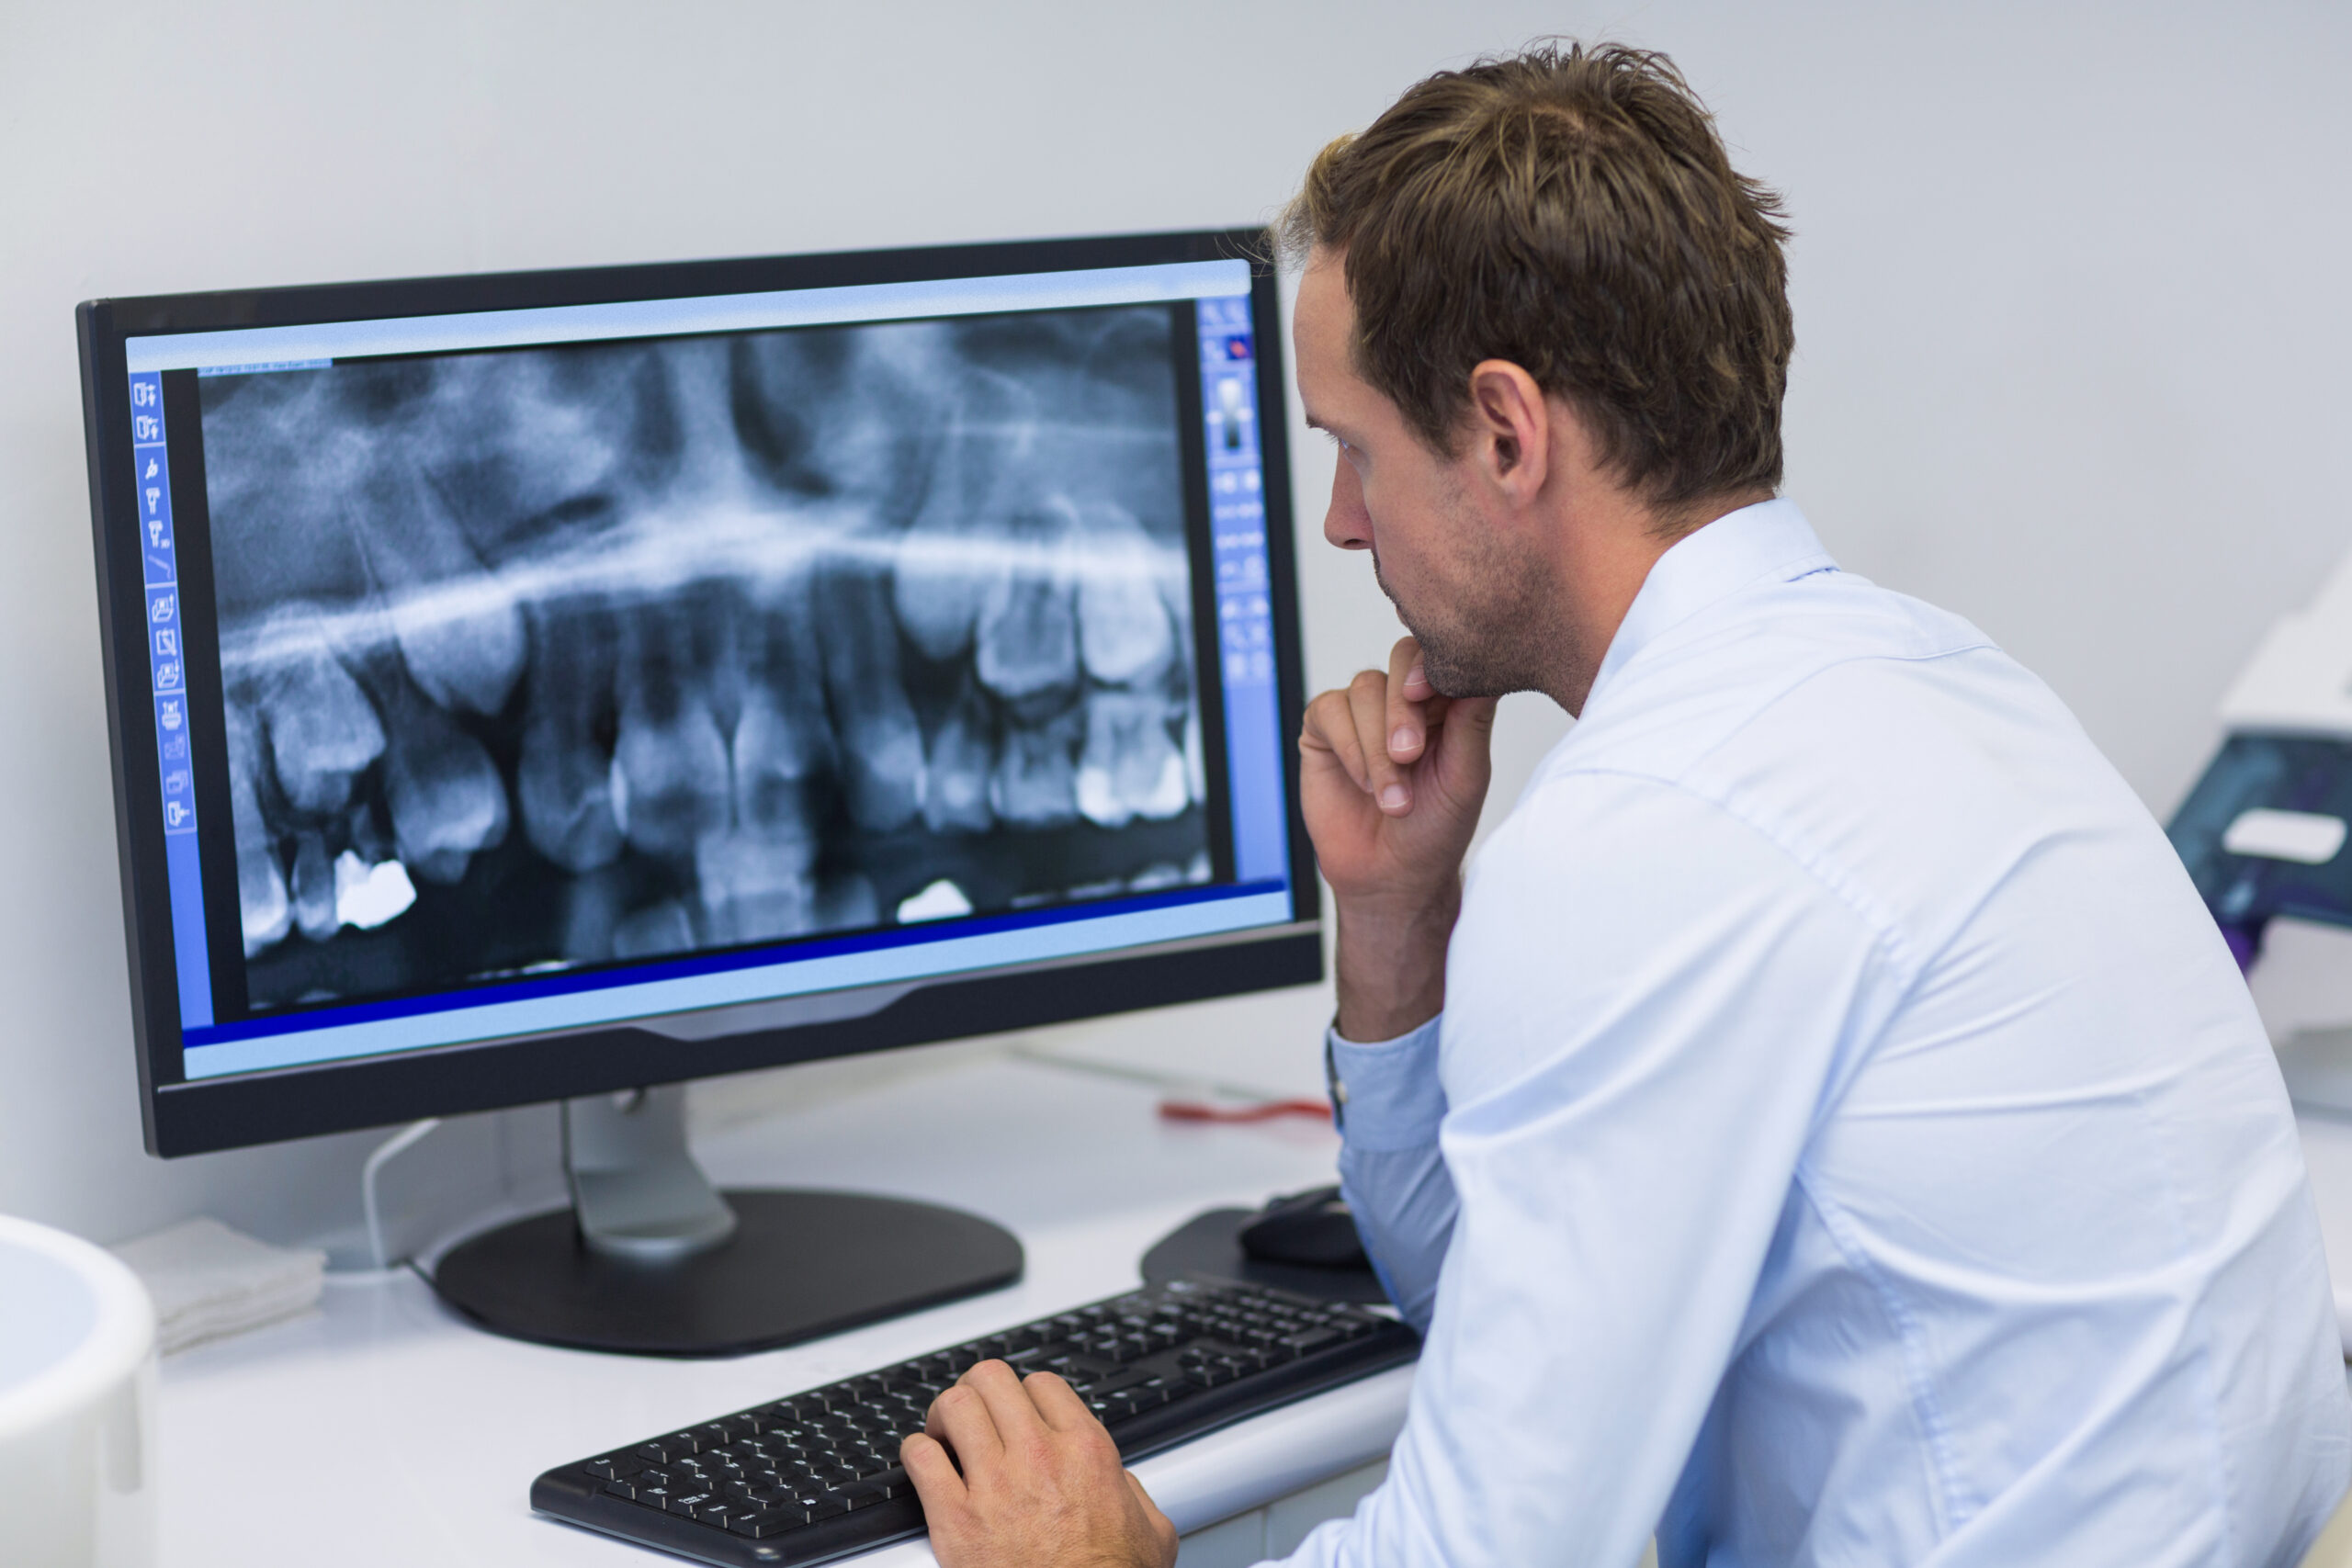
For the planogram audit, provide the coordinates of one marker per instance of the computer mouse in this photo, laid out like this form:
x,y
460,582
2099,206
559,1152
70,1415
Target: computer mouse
x,y
1311,1230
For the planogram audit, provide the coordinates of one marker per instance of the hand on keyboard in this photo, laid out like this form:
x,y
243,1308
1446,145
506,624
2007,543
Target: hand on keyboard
x,y
1034,1481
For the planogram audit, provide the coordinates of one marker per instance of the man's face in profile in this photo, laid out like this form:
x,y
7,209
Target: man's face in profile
x,y
1475,603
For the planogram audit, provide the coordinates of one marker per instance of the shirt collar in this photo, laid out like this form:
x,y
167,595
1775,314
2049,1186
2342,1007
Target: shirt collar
x,y
1770,541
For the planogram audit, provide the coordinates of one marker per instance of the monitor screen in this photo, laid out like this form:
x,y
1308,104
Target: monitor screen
x,y
649,675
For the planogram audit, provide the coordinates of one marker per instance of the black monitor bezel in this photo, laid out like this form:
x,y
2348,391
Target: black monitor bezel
x,y
180,1117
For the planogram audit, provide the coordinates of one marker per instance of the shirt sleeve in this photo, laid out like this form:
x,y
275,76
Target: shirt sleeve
x,y
1648,999
1390,1104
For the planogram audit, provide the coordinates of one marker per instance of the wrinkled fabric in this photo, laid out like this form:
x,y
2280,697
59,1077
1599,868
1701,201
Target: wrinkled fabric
x,y
1848,1141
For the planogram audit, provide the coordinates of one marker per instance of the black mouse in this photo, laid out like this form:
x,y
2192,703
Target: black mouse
x,y
1311,1230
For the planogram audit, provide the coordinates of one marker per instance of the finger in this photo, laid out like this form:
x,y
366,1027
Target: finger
x,y
1408,688
1368,706
1057,1404
1330,729
960,1418
934,1475
1009,1408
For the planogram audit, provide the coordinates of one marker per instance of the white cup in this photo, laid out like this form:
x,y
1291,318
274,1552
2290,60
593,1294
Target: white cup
x,y
77,1405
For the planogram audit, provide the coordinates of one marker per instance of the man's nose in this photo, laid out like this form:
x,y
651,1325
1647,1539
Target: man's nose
x,y
1346,523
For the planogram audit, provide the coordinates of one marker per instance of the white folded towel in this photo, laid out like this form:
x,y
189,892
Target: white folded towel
x,y
209,1281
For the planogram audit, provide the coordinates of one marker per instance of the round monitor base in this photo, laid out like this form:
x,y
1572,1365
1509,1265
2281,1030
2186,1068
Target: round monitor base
x,y
800,1265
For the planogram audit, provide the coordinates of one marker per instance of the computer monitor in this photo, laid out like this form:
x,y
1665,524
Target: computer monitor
x,y
545,686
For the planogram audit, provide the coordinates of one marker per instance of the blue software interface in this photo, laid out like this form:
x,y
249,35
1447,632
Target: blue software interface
x,y
537,669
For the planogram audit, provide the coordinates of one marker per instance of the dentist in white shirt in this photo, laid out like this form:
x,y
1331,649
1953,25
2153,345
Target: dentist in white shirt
x,y
1823,1126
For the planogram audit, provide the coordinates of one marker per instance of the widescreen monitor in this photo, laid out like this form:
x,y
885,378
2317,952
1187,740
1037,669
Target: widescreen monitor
x,y
529,686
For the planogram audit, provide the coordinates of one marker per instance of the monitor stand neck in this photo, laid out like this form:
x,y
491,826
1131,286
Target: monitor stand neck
x,y
637,1194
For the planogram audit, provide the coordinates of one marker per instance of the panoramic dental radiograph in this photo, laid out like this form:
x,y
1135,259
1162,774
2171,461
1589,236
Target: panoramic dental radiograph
x,y
552,656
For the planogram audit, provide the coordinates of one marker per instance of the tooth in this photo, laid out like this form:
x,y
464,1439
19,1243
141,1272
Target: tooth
x,y
564,781
755,886
1124,633
670,774
1027,632
881,745
263,909
943,900
851,413
1130,767
322,733
848,904
591,909
649,932
986,454
458,627
446,797
1196,767
782,747
955,784
313,887
1033,785
368,895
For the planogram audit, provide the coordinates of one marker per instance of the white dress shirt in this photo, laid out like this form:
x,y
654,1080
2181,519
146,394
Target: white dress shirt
x,y
1847,1140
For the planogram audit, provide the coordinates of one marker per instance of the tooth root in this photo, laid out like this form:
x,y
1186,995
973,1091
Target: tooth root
x,y
881,744
322,732
755,886
848,904
1196,767
1027,636
783,748
939,582
447,801
670,774
955,783
459,630
1034,785
1130,767
1124,633
564,781
649,932
314,888
264,911
591,909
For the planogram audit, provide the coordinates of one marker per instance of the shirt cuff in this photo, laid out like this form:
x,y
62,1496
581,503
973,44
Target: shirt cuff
x,y
1386,1095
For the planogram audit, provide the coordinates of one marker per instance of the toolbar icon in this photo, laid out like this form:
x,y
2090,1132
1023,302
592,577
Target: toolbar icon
x,y
170,714
144,394
163,608
177,815
146,429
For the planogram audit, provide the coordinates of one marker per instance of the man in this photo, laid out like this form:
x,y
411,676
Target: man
x,y
1824,1127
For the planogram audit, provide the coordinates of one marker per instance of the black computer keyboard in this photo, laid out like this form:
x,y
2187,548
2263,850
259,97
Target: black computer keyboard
x,y
816,1476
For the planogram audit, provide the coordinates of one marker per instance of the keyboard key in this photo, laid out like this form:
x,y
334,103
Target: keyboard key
x,y
612,1467
620,1489
764,1523
1312,1340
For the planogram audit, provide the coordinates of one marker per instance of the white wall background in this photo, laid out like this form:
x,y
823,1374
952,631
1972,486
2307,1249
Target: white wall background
x,y
2070,298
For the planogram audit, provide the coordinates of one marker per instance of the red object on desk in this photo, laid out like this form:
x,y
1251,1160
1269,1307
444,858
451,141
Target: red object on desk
x,y
1264,1110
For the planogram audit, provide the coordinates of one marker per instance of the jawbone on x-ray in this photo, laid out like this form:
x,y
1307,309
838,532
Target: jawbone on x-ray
x,y
549,657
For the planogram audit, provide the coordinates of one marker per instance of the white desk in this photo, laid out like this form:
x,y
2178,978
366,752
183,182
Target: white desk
x,y
384,1430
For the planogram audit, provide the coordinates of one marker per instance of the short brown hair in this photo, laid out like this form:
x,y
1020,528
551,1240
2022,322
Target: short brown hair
x,y
1573,210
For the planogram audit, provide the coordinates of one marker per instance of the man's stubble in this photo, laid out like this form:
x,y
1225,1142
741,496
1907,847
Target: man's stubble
x,y
1503,627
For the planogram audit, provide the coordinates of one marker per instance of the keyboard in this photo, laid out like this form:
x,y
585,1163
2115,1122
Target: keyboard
x,y
816,1475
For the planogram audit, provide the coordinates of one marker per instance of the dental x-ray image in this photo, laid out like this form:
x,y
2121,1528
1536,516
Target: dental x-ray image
x,y
552,656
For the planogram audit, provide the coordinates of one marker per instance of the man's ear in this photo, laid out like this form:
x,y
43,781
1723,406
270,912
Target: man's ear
x,y
1510,427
